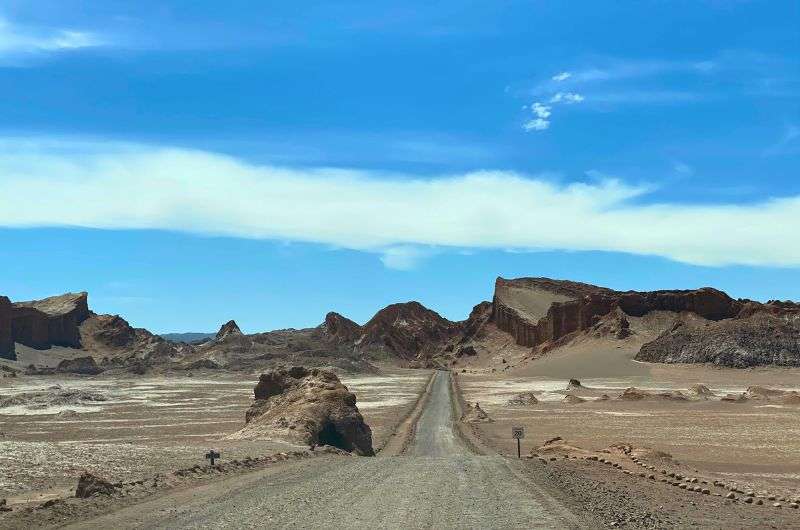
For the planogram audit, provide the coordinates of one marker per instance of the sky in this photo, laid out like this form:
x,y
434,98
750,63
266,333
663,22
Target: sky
x,y
192,162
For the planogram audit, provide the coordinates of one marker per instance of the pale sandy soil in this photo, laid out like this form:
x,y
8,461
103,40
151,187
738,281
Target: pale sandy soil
x,y
150,425
755,444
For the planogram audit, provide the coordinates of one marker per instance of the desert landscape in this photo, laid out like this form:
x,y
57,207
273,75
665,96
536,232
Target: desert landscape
x,y
691,391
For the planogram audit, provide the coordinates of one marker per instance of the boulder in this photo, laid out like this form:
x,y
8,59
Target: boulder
x,y
475,414
572,399
229,328
522,400
307,406
81,365
701,391
467,351
735,398
89,485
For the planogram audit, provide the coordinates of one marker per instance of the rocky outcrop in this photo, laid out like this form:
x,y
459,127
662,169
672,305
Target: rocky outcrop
x,y
81,365
760,339
229,328
523,399
475,414
90,485
543,313
409,331
113,339
6,338
305,406
341,329
590,304
43,323
638,394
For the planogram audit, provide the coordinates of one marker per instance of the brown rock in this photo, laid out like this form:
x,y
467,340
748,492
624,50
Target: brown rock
x,y
522,400
6,339
81,365
408,330
306,406
341,329
475,414
50,322
89,485
228,328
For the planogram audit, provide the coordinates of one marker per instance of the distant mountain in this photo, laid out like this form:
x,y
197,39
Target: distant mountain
x,y
187,337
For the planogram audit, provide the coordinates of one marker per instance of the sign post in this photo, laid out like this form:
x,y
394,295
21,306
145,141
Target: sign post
x,y
212,455
518,433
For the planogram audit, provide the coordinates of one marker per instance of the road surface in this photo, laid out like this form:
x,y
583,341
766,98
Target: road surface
x,y
436,483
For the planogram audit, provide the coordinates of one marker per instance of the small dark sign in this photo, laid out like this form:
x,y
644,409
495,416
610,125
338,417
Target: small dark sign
x,y
212,455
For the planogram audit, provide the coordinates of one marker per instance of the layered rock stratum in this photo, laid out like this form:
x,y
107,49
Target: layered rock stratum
x,y
529,316
309,407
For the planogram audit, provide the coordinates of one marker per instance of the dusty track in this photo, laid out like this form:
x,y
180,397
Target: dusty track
x,y
437,483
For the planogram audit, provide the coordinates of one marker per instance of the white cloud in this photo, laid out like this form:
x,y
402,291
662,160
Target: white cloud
x,y
17,39
542,111
107,186
563,76
536,124
567,97
404,257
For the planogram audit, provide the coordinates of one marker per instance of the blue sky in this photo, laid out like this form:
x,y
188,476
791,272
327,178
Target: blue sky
x,y
190,162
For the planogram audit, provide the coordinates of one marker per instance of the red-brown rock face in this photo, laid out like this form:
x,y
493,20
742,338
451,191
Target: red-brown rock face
x,y
589,304
408,330
6,340
341,329
53,321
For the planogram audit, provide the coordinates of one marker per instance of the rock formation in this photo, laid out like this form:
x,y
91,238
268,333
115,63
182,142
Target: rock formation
x,y
90,485
310,407
81,365
119,344
475,414
341,329
577,307
43,323
408,330
6,337
50,322
759,339
229,328
523,399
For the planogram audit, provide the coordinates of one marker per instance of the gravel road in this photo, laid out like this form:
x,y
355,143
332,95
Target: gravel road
x,y
437,483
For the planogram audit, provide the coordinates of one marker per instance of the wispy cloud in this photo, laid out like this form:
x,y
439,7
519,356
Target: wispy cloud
x,y
790,138
542,112
541,121
566,97
16,39
563,76
149,187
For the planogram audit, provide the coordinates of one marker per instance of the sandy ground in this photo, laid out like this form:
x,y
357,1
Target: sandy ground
x,y
153,424
755,444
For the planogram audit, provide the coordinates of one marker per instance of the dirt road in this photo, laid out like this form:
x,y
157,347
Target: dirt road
x,y
437,483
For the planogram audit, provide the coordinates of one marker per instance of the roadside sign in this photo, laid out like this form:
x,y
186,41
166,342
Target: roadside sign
x,y
518,433
213,455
